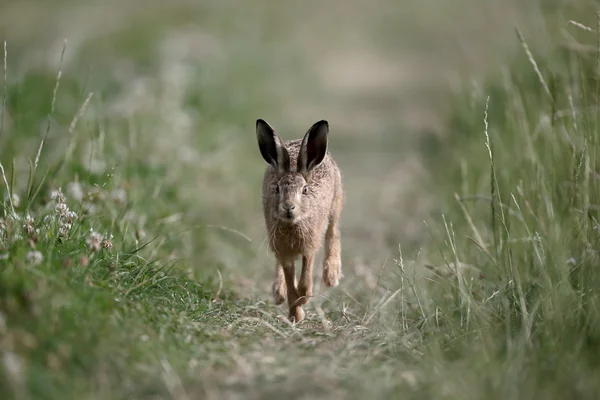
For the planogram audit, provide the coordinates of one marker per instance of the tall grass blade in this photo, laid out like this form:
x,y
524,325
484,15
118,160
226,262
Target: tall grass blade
x,y
3,111
52,105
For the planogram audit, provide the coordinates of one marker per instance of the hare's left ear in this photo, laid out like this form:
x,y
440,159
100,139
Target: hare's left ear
x,y
314,147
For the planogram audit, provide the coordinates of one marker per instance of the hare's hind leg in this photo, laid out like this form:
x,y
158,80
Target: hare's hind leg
x,y
306,279
332,262
279,286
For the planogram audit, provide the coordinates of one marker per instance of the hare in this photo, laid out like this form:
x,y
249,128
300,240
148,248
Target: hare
x,y
302,199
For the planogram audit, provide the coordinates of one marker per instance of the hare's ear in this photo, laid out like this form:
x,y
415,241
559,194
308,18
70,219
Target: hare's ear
x,y
272,147
314,147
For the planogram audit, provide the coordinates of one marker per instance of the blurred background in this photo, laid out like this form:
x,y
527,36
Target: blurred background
x,y
166,95
179,84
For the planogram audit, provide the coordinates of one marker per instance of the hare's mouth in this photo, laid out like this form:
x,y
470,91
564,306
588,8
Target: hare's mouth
x,y
288,217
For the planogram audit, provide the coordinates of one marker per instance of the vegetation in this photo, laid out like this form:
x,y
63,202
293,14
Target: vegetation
x,y
133,261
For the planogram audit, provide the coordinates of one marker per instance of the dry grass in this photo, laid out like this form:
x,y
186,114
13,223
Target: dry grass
x,y
163,156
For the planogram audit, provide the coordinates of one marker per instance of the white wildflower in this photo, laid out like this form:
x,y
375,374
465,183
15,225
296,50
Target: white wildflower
x,y
64,229
57,196
75,190
61,209
107,244
29,224
96,166
94,240
13,365
15,199
70,216
95,193
119,196
66,216
34,258
90,208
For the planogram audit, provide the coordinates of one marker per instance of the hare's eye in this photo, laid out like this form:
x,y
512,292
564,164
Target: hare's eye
x,y
277,189
305,190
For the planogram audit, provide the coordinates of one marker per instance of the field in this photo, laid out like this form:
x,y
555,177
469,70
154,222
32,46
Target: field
x,y
133,252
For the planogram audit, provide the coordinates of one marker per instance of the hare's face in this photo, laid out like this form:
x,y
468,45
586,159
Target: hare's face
x,y
293,194
292,191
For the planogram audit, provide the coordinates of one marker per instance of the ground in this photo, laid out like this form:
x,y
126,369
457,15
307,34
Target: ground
x,y
152,117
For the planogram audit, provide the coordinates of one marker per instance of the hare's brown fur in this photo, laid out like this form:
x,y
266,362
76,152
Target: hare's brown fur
x,y
315,195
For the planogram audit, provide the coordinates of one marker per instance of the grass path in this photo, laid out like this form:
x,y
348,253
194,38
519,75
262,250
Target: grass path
x,y
166,148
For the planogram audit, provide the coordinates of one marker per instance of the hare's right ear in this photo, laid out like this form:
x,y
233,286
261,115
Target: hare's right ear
x,y
272,147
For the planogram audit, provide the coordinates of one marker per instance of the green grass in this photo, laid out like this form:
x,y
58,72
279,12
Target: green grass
x,y
525,215
148,132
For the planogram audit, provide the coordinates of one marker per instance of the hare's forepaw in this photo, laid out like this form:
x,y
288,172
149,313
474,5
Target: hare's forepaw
x,y
279,292
332,272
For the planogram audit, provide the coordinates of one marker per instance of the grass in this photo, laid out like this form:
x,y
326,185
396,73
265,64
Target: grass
x,y
525,218
133,254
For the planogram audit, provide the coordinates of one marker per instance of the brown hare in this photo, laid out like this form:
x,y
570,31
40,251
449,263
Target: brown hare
x,y
302,199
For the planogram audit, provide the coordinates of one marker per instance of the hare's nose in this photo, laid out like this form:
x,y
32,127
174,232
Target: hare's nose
x,y
288,207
